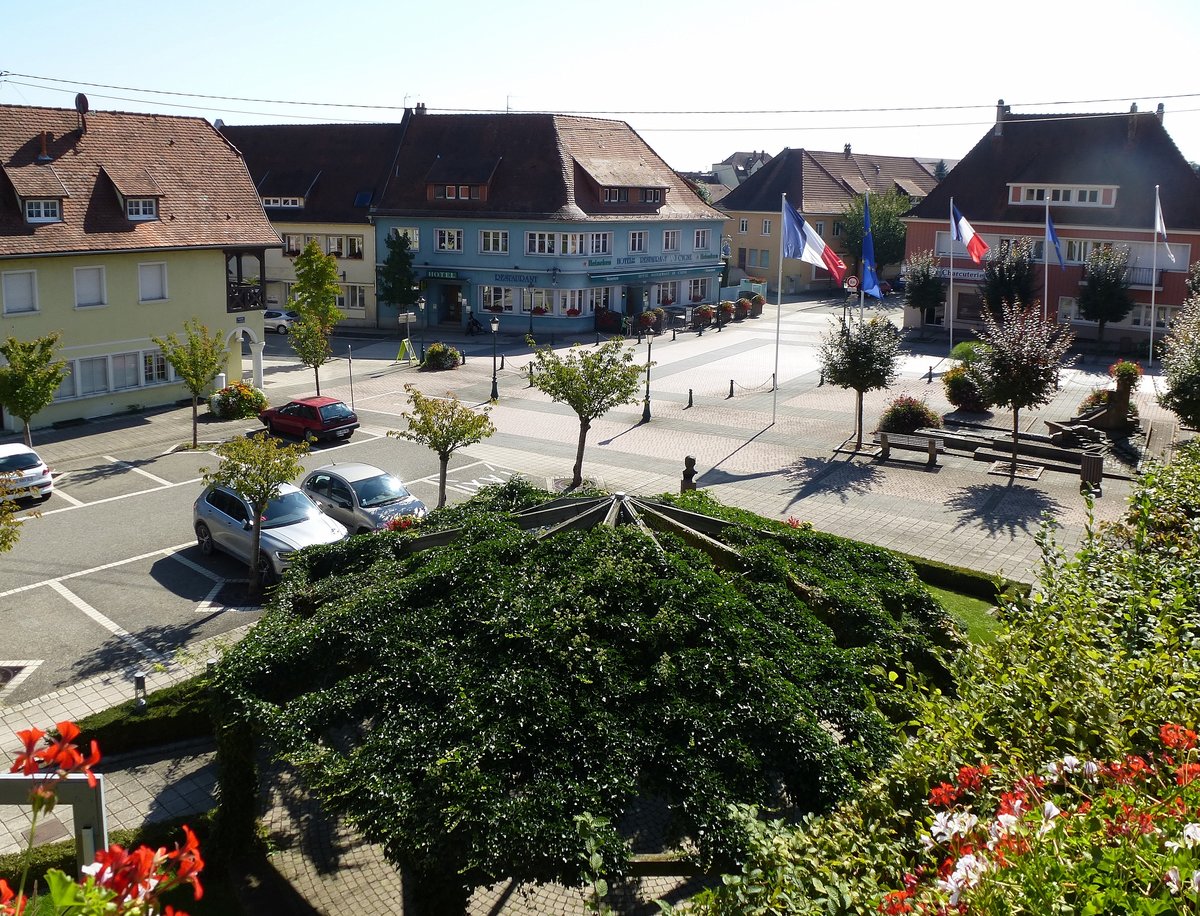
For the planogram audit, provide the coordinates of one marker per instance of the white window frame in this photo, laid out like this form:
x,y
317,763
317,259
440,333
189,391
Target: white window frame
x,y
702,239
670,240
450,240
667,293
293,244
600,243
503,296
616,195
355,247
599,297
155,368
493,241
43,210
837,229
637,241
161,268
131,371
652,195
572,243
356,296
335,245
140,209
743,226
79,373
102,288
8,292
766,227
698,289
568,299
819,227
534,296
541,243
412,232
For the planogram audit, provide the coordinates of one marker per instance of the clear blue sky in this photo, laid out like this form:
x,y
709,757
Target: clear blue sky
x,y
698,79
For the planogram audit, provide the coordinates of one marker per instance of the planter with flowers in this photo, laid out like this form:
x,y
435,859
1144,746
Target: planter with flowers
x,y
540,310
608,320
572,313
741,309
697,298
702,316
667,300
757,301
652,320
497,309
727,310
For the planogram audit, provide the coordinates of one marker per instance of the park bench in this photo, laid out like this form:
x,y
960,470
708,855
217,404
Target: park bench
x,y
921,443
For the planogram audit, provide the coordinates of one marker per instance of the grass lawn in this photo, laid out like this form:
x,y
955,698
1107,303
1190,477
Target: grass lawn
x,y
974,615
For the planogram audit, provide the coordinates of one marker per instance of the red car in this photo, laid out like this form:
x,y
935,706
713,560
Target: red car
x,y
313,419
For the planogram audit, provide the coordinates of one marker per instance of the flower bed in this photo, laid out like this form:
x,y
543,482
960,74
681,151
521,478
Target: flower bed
x,y
237,402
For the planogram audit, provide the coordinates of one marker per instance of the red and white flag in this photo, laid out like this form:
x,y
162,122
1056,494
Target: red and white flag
x,y
801,242
961,230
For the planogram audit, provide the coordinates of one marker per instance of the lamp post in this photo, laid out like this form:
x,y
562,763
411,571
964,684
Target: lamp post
x,y
495,328
529,291
646,399
421,325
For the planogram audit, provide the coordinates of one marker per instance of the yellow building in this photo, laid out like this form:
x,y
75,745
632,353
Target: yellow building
x,y
117,228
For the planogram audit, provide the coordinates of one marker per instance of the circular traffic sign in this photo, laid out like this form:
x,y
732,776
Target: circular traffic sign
x,y
852,282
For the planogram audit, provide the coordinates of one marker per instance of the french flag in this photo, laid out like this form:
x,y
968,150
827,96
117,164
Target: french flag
x,y
962,232
800,241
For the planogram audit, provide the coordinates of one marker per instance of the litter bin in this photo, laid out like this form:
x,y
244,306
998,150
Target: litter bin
x,y
219,381
1091,468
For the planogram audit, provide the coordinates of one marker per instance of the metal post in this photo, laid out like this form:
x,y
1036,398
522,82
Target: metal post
x,y
501,360
689,404
646,401
350,364
495,328
730,389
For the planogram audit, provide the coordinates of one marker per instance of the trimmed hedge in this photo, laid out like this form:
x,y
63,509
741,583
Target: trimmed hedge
x,y
176,713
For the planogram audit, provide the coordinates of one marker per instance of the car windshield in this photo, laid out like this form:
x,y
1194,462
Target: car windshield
x,y
379,491
21,461
336,411
288,509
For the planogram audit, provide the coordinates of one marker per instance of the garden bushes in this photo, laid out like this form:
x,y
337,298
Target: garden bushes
x,y
440,356
907,414
963,390
237,402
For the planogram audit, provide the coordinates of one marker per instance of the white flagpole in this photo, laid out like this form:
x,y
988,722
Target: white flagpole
x,y
778,306
950,303
1153,278
1046,261
862,280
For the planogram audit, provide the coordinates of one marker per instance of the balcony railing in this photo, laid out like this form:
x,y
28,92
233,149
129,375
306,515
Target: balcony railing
x,y
244,297
1138,277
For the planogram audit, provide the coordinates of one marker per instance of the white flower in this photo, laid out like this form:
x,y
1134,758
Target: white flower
x,y
1191,835
1195,882
1090,769
1172,879
1070,763
967,872
949,824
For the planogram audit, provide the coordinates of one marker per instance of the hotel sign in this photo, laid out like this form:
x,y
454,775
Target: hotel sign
x,y
442,274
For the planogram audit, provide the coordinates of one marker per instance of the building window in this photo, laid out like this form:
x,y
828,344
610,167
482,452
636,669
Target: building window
x,y
91,375
335,245
651,195
43,211
743,225
670,240
152,282
540,242
702,240
668,293
764,258
292,244
141,208
819,228
571,300
89,287
572,243
599,297
493,241
412,233
126,370
20,291
1078,197
766,230
448,240
752,257
356,297
312,238
154,368
497,298
698,290
837,229
537,298
354,247
600,242
637,241
616,195
290,202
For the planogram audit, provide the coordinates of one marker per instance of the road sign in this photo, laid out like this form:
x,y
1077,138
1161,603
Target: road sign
x,y
852,282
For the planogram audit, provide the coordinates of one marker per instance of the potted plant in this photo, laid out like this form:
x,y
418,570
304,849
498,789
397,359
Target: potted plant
x,y
540,310
757,301
697,298
493,308
726,308
572,313
742,309
668,300
702,316
607,320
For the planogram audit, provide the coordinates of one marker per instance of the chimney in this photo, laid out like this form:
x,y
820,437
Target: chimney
x,y
44,155
420,109
1132,122
846,151
1160,111
1001,111
82,106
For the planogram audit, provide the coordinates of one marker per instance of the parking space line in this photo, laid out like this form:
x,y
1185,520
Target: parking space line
x,y
195,567
165,551
71,499
26,666
113,499
209,603
112,626
125,464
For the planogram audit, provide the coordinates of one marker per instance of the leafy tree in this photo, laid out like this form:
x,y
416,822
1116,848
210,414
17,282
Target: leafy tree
x,y
589,381
1105,294
887,229
1181,364
923,289
863,356
1192,280
1019,366
443,425
10,525
31,377
1009,275
316,293
256,466
197,361
395,280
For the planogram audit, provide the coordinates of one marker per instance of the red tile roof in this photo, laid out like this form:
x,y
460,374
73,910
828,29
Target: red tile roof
x,y
205,197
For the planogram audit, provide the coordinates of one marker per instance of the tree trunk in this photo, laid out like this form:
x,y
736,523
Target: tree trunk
x,y
195,421
434,893
443,463
859,426
577,472
255,545
317,378
28,434
1016,427
1099,335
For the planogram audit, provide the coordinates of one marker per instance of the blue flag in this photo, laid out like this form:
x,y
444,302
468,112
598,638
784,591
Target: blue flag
x,y
1052,239
870,279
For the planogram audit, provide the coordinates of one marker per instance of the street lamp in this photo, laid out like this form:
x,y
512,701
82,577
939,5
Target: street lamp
x,y
495,327
529,292
421,325
646,399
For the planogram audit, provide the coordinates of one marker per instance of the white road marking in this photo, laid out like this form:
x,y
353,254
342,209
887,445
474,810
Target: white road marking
x,y
165,551
71,499
125,464
113,499
196,567
28,666
209,604
110,625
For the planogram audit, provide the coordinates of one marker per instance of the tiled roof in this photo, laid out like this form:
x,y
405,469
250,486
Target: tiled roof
x,y
204,193
546,167
1131,151
330,166
822,182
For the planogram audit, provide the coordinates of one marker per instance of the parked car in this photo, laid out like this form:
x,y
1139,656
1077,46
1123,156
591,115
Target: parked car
x,y
221,518
279,321
313,419
360,496
25,475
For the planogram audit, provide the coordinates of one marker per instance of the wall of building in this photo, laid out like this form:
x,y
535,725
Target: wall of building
x,y
359,271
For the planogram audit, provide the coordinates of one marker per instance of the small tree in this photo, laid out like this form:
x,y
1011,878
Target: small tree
x,y
863,356
940,171
887,229
1181,364
32,376
591,382
197,361
1192,280
1019,366
1009,275
395,280
316,291
923,289
10,525
1105,294
255,467
443,425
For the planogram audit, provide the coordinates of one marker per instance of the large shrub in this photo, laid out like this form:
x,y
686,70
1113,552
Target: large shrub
x,y
966,351
440,356
963,391
906,414
237,402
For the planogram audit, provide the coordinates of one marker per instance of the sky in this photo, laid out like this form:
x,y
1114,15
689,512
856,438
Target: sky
x,y
699,80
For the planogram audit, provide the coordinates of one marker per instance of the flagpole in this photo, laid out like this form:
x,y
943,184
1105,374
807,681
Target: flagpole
x,y
778,307
950,304
1046,260
1153,278
862,280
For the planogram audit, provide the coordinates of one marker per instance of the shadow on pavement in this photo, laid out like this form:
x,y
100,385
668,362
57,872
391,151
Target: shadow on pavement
x,y
1002,508
842,478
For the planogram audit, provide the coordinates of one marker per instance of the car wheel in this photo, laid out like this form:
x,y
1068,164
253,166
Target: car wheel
x,y
266,572
271,430
282,329
204,539
310,437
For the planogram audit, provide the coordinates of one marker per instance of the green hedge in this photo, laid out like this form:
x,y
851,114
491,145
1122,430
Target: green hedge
x,y
176,713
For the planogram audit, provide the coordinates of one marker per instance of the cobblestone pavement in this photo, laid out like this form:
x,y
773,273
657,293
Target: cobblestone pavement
x,y
781,454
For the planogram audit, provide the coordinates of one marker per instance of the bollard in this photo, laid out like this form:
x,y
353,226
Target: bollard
x,y
821,384
530,372
463,354
773,385
701,326
672,333
501,360
689,404
689,472
597,338
930,375
639,337
730,389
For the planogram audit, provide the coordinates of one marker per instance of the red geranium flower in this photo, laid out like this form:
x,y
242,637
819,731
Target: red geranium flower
x,y
26,761
1177,737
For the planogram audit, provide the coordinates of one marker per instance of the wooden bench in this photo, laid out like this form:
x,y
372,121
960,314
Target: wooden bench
x,y
931,444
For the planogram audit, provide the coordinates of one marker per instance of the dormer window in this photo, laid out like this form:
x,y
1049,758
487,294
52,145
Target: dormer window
x,y
616,195
651,195
141,208
292,203
45,210
458,192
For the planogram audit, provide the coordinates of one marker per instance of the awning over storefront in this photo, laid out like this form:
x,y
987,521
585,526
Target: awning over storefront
x,y
664,274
